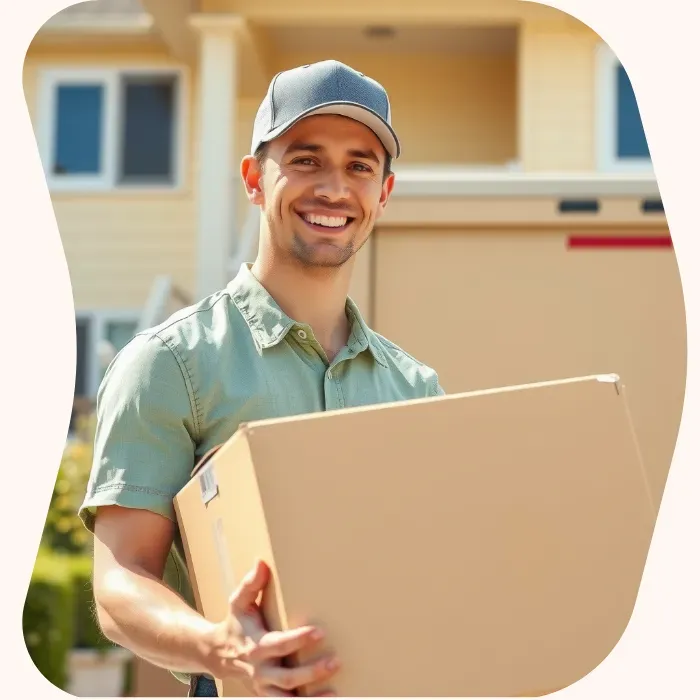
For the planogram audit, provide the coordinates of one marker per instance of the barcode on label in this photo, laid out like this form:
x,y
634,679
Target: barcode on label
x,y
208,485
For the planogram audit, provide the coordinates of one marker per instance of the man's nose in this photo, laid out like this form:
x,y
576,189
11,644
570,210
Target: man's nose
x,y
333,186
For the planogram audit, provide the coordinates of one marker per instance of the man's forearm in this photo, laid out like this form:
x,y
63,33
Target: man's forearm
x,y
141,614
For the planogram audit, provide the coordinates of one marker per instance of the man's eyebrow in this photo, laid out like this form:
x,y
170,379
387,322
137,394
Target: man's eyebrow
x,y
366,155
302,146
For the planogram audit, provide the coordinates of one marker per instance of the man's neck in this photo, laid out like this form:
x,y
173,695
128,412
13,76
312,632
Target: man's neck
x,y
316,297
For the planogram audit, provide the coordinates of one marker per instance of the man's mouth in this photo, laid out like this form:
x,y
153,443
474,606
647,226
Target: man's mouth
x,y
329,224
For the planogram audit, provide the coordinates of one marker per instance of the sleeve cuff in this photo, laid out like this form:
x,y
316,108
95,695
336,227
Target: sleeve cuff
x,y
127,496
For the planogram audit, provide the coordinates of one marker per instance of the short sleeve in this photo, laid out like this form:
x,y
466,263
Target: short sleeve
x,y
145,440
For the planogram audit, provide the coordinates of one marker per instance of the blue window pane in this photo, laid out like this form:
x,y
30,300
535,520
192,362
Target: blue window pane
x,y
149,120
631,141
78,133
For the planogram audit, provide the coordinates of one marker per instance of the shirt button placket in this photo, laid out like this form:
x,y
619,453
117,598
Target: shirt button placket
x,y
331,391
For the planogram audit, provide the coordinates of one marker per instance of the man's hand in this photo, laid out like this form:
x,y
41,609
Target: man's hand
x,y
137,611
242,647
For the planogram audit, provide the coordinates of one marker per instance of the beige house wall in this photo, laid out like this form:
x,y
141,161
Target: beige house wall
x,y
557,97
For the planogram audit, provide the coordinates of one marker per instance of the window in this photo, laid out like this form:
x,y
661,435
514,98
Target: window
x,y
77,146
631,141
111,129
99,335
622,143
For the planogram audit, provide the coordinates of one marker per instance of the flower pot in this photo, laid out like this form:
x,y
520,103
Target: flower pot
x,y
97,674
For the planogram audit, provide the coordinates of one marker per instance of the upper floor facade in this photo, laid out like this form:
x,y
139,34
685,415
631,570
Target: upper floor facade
x,y
142,110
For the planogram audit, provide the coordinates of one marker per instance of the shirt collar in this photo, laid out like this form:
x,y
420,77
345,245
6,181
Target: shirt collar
x,y
269,325
361,334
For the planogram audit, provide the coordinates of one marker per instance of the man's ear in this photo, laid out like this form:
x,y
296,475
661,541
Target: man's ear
x,y
387,188
251,175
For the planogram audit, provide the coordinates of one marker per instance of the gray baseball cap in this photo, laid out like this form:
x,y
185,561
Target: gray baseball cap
x,y
327,87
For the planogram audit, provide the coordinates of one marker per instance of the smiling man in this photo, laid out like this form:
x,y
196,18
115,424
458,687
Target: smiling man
x,y
283,338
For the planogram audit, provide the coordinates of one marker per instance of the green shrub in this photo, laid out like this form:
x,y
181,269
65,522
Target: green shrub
x,y
63,530
49,617
59,613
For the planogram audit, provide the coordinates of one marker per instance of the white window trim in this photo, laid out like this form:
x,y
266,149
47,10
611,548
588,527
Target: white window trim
x,y
606,118
109,76
97,322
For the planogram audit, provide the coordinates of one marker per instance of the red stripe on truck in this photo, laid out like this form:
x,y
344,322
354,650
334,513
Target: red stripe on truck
x,y
620,242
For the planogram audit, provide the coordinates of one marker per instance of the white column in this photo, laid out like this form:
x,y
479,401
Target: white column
x,y
215,182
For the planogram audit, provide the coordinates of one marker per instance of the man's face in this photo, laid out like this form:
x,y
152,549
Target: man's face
x,y
321,189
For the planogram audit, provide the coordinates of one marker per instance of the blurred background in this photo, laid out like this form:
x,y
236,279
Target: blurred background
x,y
525,197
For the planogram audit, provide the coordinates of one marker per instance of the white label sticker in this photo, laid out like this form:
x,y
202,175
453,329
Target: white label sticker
x,y
207,482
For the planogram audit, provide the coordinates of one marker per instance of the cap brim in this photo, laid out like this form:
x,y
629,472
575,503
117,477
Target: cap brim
x,y
354,111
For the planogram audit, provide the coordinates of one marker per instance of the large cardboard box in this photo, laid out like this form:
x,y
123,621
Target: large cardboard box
x,y
481,544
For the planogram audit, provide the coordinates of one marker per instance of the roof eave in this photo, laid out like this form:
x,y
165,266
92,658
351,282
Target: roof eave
x,y
136,24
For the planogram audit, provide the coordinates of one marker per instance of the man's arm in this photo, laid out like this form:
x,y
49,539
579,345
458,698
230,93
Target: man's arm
x,y
146,433
144,454
139,612
135,608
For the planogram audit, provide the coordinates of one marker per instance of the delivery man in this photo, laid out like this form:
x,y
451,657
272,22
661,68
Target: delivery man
x,y
282,338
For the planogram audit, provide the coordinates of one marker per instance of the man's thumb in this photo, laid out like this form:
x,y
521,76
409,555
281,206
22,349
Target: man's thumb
x,y
246,595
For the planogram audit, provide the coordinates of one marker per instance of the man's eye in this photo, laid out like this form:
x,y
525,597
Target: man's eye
x,y
303,161
362,167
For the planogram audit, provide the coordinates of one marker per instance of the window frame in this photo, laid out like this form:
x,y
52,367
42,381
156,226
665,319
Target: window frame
x,y
606,118
109,77
97,322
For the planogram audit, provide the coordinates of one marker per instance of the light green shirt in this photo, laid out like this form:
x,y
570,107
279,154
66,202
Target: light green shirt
x,y
183,387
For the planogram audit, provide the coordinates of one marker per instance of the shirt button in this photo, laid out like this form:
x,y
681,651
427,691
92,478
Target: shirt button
x,y
302,334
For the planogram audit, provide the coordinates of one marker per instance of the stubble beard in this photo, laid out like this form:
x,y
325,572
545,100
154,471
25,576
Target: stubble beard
x,y
321,255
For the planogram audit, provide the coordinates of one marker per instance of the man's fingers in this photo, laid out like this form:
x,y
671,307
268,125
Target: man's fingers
x,y
293,678
246,595
275,645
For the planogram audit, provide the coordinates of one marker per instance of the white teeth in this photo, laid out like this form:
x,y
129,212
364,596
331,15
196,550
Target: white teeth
x,y
330,221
